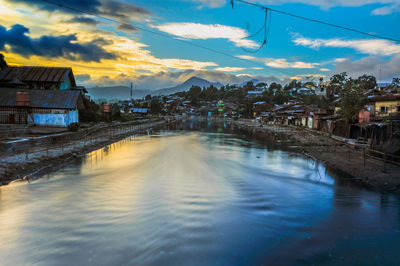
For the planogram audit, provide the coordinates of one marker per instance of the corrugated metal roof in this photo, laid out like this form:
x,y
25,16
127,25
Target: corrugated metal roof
x,y
385,97
139,110
57,99
35,74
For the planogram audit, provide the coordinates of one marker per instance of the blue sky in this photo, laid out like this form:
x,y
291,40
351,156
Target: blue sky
x,y
295,48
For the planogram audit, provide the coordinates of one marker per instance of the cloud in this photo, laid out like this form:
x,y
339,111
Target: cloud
x,y
371,65
230,69
389,7
208,31
364,46
91,6
280,62
127,28
210,3
324,69
82,78
168,79
386,10
83,20
122,10
17,41
110,8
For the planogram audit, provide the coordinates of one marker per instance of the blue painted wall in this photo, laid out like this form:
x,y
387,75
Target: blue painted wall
x,y
58,120
66,84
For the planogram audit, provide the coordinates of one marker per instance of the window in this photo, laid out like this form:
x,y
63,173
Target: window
x,y
384,109
398,108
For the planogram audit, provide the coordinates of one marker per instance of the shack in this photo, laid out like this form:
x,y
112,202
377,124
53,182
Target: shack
x,y
37,78
40,107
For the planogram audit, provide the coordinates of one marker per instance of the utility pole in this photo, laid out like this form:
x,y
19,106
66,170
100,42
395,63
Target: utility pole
x,y
380,72
131,92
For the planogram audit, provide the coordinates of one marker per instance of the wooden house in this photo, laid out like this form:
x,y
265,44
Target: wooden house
x,y
40,107
37,78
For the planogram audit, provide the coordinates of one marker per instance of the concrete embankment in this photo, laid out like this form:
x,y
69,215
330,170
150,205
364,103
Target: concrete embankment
x,y
27,157
351,162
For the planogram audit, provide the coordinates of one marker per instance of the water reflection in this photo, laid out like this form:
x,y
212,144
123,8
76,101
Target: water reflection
x,y
197,198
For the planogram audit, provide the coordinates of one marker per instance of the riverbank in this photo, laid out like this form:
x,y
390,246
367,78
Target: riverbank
x,y
54,151
350,161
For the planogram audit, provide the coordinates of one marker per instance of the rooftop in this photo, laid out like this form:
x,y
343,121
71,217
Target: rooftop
x,y
35,74
55,99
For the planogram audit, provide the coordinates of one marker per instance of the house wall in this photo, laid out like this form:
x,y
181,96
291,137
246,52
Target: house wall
x,y
58,120
363,116
13,115
310,122
390,105
66,84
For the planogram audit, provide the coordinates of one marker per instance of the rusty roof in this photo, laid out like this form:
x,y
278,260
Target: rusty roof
x,y
383,98
55,99
36,74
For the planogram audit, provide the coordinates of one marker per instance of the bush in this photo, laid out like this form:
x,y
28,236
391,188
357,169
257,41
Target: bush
x,y
74,127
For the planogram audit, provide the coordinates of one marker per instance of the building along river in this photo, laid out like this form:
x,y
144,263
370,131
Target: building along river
x,y
190,197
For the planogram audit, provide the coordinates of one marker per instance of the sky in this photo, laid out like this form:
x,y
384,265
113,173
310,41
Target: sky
x,y
159,43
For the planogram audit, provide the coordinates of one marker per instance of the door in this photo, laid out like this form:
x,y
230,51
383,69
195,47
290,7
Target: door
x,y
12,118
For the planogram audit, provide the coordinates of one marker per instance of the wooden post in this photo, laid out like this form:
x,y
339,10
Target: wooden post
x,y
384,163
364,155
334,150
348,152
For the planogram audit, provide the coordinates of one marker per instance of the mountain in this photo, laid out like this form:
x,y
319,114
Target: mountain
x,y
185,86
255,82
123,92
116,93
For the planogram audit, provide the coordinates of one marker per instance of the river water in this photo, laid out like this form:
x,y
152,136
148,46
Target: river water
x,y
195,198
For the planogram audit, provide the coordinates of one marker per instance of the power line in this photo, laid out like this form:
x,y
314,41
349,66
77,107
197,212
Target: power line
x,y
165,36
267,23
319,21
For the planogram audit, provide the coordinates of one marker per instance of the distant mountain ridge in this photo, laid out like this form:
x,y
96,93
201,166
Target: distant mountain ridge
x,y
123,92
116,93
185,86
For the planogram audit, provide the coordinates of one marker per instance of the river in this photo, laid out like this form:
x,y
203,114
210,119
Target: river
x,y
195,198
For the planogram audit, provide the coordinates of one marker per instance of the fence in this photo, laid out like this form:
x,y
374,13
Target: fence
x,y
82,139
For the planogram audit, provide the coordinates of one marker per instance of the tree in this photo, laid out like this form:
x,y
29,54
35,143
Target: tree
x,y
248,109
3,63
155,106
249,86
274,88
194,94
262,85
352,100
148,97
337,82
292,84
366,82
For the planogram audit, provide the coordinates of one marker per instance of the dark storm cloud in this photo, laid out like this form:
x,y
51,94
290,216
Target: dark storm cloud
x,y
109,8
122,10
52,46
127,27
83,20
86,5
